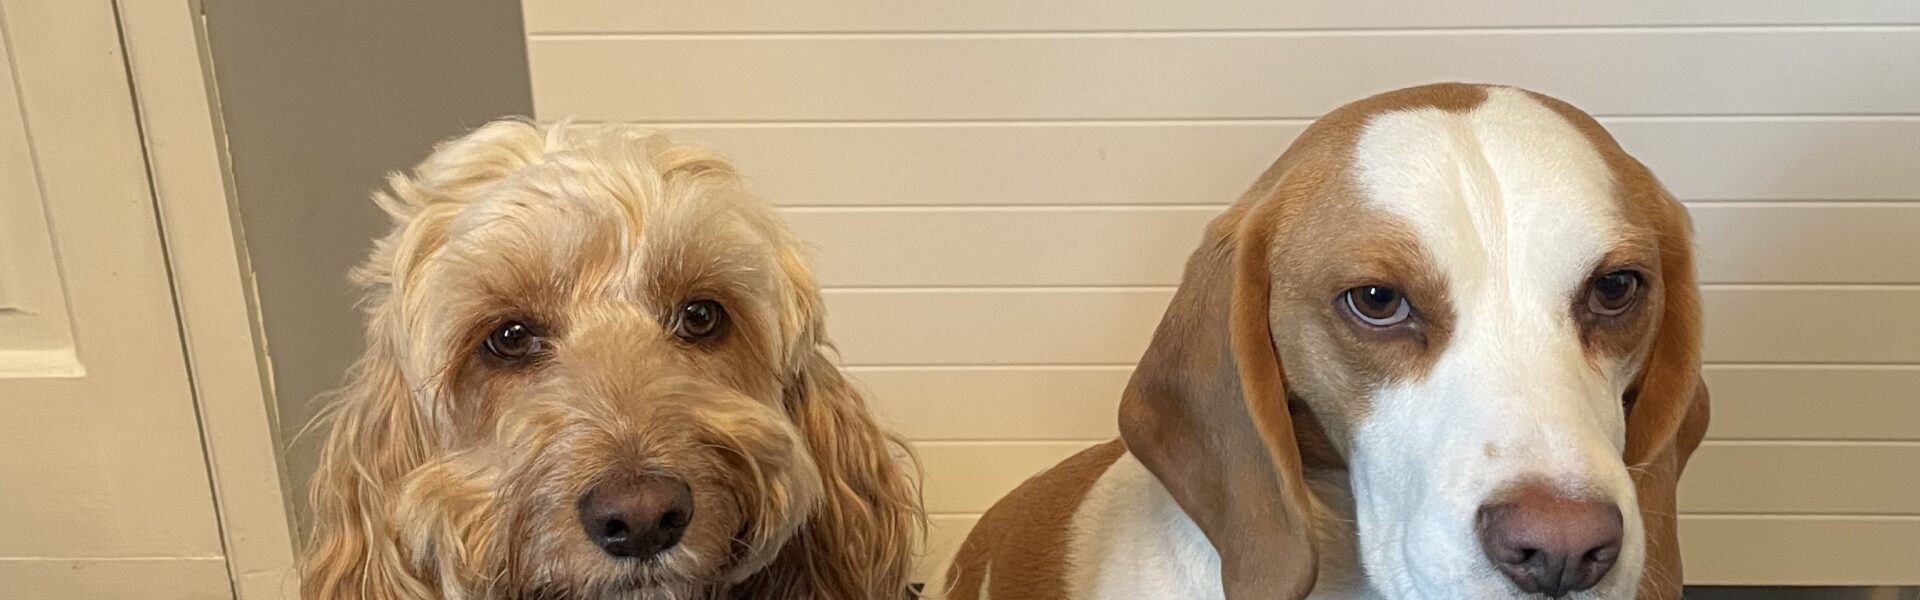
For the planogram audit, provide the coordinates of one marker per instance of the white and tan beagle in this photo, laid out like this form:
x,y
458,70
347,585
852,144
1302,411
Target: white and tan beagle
x,y
1447,347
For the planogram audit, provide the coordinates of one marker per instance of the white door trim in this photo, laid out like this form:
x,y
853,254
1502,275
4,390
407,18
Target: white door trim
x,y
213,289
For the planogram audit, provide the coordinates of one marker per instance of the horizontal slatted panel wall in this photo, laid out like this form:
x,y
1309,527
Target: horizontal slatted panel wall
x,y
552,17
1000,195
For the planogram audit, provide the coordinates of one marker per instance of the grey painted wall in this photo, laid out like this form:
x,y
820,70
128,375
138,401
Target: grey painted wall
x,y
321,99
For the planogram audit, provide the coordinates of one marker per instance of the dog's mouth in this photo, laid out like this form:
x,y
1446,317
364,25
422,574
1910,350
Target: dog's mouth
x,y
547,593
637,582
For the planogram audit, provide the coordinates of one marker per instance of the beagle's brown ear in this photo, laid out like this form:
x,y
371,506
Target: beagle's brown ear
x,y
1206,412
1669,412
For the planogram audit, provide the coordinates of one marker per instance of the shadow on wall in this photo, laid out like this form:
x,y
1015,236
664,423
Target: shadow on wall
x,y
320,100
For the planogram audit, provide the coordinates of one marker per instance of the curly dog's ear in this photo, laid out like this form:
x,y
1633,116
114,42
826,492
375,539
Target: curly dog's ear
x,y
377,439
860,542
379,432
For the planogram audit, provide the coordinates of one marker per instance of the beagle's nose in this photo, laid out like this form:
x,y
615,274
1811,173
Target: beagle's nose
x,y
1548,543
636,517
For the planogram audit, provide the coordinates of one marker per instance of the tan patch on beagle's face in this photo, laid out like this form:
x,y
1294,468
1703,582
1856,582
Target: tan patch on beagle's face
x,y
1335,242
1462,299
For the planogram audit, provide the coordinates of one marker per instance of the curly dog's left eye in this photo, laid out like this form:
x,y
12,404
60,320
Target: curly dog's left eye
x,y
515,341
700,319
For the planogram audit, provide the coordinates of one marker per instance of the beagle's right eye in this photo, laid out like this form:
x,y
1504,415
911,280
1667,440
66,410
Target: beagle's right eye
x,y
1610,295
1377,306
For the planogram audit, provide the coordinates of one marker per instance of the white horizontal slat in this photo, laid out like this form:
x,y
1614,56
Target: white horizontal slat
x,y
1112,326
970,477
155,578
1863,158
1804,477
1724,477
1769,324
1757,550
993,326
1797,243
1808,244
1766,402
1241,75
998,403
1716,549
1001,247
600,16
1807,402
988,164
1786,159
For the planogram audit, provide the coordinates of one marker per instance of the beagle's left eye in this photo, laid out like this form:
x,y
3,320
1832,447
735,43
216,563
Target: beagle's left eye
x,y
1378,306
1613,293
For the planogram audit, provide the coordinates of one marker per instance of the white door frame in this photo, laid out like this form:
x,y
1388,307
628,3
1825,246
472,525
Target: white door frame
x,y
180,122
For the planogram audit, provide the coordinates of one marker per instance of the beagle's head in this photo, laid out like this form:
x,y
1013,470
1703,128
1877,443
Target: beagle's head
x,y
1471,300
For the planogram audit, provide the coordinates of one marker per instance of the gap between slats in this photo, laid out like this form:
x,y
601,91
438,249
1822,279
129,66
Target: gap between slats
x,y
1215,206
1875,287
1220,33
1744,442
1128,366
1605,118
1697,515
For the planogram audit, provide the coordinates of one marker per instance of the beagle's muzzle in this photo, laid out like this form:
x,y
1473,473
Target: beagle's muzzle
x,y
1447,347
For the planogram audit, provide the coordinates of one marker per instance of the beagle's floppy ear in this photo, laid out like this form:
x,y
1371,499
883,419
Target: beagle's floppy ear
x,y
1206,412
1668,413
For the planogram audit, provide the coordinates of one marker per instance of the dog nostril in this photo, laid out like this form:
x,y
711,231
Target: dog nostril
x,y
1604,554
615,529
673,519
636,517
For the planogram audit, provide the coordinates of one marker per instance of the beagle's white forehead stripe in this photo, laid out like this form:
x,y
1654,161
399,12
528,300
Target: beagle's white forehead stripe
x,y
1515,207
1509,189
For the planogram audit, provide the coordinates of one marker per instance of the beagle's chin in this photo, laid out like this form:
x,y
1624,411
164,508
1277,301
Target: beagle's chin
x,y
1427,552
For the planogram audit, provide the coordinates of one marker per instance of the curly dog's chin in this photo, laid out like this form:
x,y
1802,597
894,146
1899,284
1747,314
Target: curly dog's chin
x,y
673,575
639,582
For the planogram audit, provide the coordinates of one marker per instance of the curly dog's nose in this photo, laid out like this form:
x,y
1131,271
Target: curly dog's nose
x,y
636,517
1550,544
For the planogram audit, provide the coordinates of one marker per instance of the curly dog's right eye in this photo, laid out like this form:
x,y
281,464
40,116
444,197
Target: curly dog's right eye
x,y
700,319
514,341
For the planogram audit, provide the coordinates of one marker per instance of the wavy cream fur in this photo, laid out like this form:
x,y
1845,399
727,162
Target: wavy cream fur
x,y
449,476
